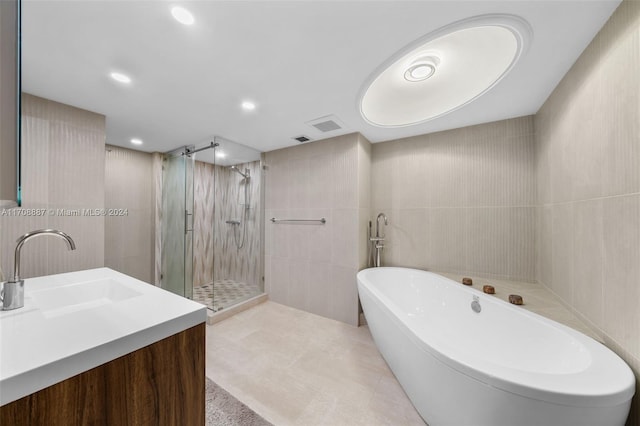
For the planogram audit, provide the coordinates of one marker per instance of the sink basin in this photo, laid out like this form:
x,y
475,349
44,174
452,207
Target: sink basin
x,y
76,321
76,297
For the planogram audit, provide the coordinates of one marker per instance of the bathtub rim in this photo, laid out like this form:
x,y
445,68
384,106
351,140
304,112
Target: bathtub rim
x,y
510,380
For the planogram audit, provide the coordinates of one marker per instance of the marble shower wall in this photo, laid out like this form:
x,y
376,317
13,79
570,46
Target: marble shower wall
x,y
203,212
216,255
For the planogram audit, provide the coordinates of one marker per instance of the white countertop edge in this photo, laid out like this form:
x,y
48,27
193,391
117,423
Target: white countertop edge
x,y
16,387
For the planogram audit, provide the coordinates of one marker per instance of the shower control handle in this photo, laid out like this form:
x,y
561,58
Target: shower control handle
x,y
186,222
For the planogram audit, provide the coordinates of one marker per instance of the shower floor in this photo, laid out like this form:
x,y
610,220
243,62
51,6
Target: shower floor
x,y
224,293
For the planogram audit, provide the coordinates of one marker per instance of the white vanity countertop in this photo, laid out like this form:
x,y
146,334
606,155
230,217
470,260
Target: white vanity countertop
x,y
73,322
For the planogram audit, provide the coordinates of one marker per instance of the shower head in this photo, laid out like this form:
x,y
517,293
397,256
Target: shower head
x,y
244,175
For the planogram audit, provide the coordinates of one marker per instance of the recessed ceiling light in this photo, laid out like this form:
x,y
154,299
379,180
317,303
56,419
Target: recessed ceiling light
x,y
421,69
136,141
119,77
182,15
220,154
444,71
248,106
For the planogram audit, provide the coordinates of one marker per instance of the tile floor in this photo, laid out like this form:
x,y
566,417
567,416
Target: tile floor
x,y
323,372
320,372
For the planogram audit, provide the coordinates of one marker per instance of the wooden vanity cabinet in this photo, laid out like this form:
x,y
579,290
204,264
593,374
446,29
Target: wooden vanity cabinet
x,y
160,384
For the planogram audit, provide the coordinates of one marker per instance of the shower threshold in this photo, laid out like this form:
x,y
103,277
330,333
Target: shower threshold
x,y
223,294
214,317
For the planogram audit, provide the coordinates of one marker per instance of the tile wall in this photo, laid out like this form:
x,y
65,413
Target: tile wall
x,y
588,166
203,211
63,154
130,192
462,200
311,266
364,199
219,197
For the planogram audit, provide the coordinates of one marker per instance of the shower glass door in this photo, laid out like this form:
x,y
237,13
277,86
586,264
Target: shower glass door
x,y
228,218
177,224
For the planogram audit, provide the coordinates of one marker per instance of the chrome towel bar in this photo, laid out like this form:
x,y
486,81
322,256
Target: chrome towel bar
x,y
321,220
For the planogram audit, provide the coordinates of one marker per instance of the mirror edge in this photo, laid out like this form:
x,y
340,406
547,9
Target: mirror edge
x,y
11,191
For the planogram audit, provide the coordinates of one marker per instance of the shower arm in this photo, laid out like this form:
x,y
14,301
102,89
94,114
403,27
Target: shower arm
x,y
245,175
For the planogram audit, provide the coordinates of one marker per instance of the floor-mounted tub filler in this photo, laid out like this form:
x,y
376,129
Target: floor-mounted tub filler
x,y
466,358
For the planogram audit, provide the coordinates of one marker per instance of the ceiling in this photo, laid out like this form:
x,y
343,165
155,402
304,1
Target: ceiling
x,y
297,60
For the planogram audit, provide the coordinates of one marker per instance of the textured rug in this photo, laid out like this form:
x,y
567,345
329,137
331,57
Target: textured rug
x,y
222,409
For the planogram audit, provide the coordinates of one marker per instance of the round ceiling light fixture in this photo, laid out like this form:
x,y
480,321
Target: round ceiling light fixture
x,y
182,15
421,69
248,106
120,78
444,71
136,141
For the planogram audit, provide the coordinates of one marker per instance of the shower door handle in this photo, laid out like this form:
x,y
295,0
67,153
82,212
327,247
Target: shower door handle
x,y
186,222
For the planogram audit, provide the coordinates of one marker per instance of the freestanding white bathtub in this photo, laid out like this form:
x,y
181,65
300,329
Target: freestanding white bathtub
x,y
502,366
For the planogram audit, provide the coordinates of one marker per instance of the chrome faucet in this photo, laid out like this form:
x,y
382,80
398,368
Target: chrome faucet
x,y
12,294
377,242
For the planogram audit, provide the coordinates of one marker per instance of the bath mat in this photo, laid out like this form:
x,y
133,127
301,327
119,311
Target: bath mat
x,y
222,409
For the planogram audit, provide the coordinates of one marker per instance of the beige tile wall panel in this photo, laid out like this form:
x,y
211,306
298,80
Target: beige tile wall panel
x,y
588,152
130,239
312,266
63,168
364,199
463,200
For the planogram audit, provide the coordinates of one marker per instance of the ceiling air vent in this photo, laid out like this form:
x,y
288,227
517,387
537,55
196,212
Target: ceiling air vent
x,y
327,126
302,139
329,123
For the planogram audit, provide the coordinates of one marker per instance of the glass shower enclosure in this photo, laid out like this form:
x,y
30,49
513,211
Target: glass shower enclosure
x,y
177,223
212,224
